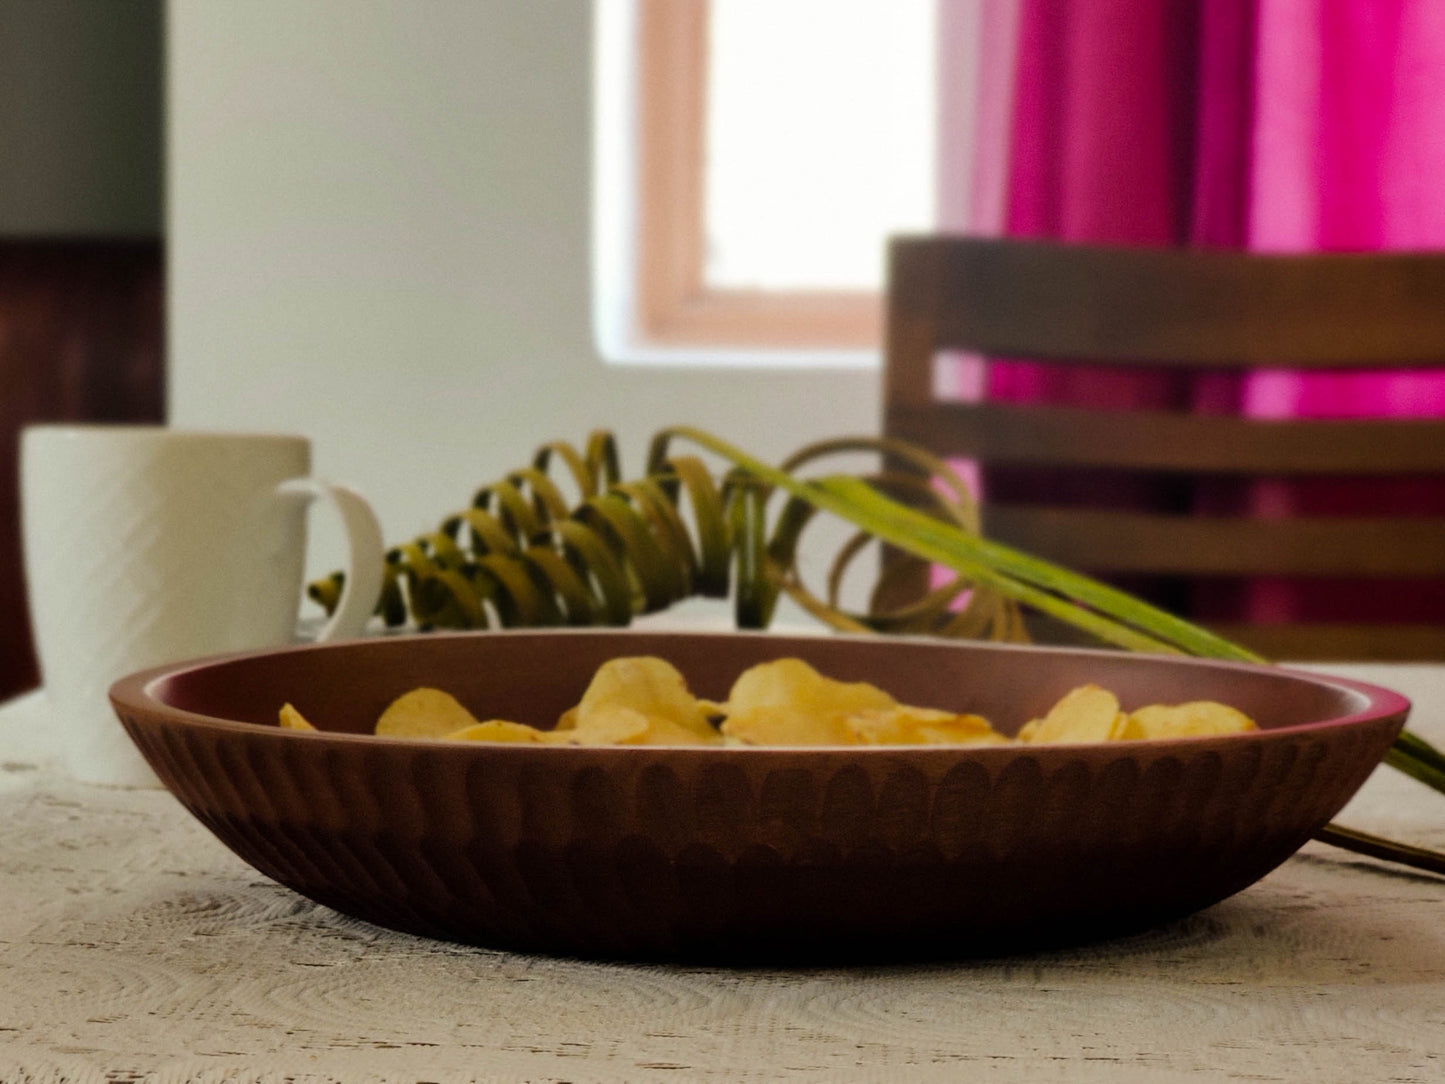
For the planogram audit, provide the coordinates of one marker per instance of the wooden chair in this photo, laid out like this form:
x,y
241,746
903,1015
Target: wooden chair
x,y
1195,311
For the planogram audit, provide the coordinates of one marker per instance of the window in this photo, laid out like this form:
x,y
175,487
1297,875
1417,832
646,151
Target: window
x,y
752,157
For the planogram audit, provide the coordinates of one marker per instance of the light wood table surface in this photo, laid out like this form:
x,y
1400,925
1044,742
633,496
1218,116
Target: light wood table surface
x,y
134,947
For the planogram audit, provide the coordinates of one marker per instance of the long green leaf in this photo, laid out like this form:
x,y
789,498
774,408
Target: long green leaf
x,y
1113,615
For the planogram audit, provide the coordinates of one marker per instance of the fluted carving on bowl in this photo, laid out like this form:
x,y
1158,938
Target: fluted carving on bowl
x,y
660,853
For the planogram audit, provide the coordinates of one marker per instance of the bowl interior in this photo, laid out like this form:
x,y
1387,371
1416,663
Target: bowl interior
x,y
533,676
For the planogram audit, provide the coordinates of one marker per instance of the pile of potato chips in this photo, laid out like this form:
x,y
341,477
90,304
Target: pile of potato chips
x,y
643,700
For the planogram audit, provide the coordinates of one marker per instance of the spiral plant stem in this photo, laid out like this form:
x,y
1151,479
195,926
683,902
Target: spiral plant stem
x,y
523,553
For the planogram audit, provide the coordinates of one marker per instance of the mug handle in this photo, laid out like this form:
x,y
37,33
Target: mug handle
x,y
365,554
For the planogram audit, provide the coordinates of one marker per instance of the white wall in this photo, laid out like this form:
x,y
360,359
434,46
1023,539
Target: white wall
x,y
379,221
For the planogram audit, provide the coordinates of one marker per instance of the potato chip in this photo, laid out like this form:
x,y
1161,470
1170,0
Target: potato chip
x,y
905,725
1085,714
644,700
614,725
626,726
291,719
1196,718
424,713
496,730
787,702
623,690
662,731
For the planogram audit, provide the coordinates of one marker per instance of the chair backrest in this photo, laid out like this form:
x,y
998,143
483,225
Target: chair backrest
x,y
1195,311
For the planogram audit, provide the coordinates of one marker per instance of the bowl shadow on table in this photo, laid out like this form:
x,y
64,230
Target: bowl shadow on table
x,y
861,927
1253,937
1272,931
1265,932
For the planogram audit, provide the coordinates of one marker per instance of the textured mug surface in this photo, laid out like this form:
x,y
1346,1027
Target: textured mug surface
x,y
144,545
743,854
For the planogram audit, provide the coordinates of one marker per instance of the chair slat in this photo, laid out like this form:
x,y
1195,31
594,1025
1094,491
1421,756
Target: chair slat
x,y
1340,642
1159,441
1296,642
1146,543
1130,306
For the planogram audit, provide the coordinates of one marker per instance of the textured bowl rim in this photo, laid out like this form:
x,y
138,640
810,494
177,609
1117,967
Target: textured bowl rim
x,y
137,692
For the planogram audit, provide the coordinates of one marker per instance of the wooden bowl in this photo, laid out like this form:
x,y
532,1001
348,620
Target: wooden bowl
x,y
746,854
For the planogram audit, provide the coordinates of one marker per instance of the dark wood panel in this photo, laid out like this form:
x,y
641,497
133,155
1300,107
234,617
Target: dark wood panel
x,y
1130,306
1340,642
1294,642
1158,441
81,339
1142,542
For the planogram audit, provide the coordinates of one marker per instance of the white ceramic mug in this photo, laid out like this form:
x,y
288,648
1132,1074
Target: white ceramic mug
x,y
146,545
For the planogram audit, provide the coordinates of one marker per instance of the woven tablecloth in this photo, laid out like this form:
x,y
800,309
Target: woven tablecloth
x,y
135,947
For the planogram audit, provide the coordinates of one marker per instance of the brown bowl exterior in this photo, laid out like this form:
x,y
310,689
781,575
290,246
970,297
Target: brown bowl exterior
x,y
749,854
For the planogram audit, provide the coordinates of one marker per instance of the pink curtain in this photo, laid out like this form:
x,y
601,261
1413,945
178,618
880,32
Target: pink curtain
x,y
1271,125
